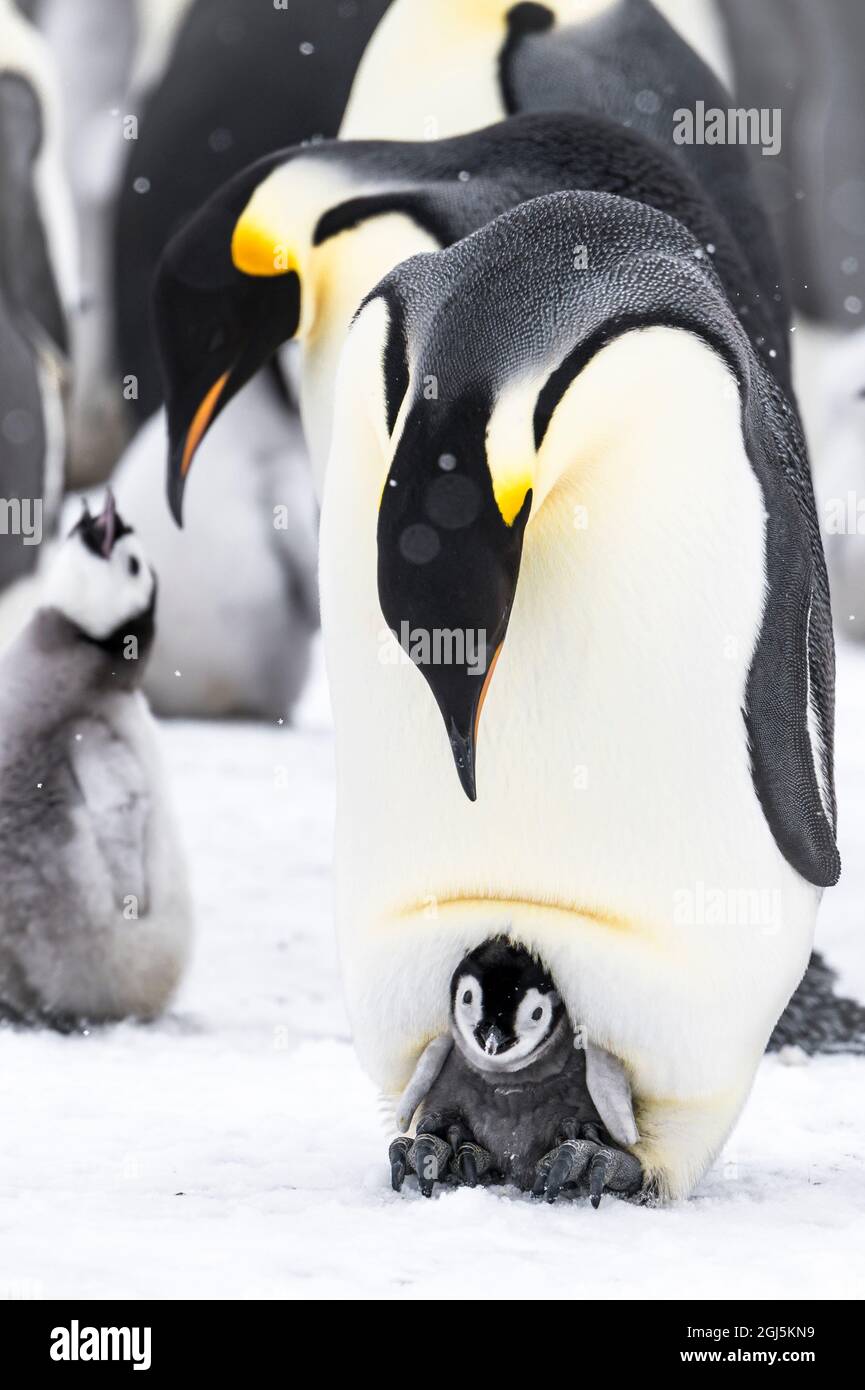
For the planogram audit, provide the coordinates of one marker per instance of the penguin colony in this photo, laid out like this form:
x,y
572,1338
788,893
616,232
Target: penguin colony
x,y
569,555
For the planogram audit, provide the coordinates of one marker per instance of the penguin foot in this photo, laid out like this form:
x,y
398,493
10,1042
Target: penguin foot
x,y
587,1156
428,1156
444,1151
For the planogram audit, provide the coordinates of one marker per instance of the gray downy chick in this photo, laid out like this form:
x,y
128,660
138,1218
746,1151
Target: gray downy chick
x,y
510,1093
95,918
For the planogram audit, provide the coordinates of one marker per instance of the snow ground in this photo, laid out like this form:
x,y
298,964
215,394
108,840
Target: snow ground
x,y
236,1150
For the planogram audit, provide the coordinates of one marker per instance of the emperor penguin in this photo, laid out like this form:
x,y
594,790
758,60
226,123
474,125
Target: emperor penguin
x,y
290,247
95,912
37,259
570,554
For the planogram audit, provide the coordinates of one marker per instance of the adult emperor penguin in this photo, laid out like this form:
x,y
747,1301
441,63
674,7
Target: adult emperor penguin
x,y
95,913
36,271
583,505
291,246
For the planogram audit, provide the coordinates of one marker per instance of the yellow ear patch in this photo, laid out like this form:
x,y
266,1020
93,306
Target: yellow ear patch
x,y
257,250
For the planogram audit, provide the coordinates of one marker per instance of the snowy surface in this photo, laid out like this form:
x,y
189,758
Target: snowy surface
x,y
236,1150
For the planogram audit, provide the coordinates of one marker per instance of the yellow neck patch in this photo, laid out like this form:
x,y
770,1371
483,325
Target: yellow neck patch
x,y
510,446
510,491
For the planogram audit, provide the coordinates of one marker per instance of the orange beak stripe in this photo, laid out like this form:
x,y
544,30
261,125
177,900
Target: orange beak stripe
x,y
202,418
485,689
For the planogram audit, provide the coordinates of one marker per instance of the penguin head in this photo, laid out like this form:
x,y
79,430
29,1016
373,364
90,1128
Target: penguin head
x,y
505,1009
100,580
286,250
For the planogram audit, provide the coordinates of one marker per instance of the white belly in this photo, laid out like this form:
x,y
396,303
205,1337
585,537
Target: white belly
x,y
616,826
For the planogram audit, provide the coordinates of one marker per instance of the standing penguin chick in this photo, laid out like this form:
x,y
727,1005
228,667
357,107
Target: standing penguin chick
x,y
516,1095
95,914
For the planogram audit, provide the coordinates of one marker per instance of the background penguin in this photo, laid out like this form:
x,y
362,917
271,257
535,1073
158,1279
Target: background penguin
x,y
242,80
236,639
94,43
461,513
35,281
807,61
518,1096
95,913
477,61
292,245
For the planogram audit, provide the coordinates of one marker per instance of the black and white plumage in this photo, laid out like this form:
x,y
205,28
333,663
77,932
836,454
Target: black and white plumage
x,y
623,59
788,712
517,1095
240,80
95,914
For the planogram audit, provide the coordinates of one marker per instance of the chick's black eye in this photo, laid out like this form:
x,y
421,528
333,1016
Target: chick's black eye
x,y
134,566
538,1013
467,997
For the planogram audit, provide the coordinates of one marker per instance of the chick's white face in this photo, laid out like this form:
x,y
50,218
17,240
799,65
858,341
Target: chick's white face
x,y
100,593
505,1036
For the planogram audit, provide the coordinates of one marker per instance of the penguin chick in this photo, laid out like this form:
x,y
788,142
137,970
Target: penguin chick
x,y
95,914
513,1098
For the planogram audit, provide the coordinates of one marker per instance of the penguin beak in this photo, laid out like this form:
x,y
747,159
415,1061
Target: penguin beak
x,y
262,317
105,525
464,742
216,324
491,1039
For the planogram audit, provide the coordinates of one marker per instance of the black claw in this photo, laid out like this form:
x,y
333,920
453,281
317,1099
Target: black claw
x,y
559,1173
598,1177
468,1168
398,1155
430,1160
